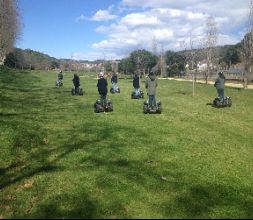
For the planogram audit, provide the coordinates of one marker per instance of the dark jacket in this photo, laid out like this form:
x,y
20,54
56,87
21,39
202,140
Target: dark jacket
x,y
220,82
102,86
60,76
136,82
151,84
76,80
114,78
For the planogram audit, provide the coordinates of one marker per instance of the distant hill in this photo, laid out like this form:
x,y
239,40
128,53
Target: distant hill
x,y
30,59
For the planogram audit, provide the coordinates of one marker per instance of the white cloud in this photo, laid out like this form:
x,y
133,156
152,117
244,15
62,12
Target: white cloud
x,y
137,19
94,55
136,30
170,22
80,18
103,15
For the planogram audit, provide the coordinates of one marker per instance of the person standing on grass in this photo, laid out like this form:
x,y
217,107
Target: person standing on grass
x,y
151,84
114,80
102,87
136,84
76,82
220,85
60,75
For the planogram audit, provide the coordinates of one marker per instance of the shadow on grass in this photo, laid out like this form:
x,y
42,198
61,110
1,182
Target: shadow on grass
x,y
18,91
212,201
79,206
15,80
121,175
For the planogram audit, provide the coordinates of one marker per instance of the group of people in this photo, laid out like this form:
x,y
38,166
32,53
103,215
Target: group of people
x,y
150,84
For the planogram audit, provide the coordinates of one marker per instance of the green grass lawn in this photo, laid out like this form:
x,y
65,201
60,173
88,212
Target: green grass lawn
x,y
59,159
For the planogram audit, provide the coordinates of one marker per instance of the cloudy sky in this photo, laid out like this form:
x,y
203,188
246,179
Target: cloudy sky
x,y
111,29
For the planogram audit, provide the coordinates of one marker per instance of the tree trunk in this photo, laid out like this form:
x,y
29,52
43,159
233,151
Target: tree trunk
x,y
2,59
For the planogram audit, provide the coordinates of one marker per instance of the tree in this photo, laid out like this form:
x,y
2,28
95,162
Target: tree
x,y
191,54
162,63
107,66
11,60
126,65
229,55
143,61
247,49
175,63
209,45
9,27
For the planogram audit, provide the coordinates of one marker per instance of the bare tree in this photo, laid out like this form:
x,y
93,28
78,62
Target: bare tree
x,y
209,45
163,62
9,27
247,49
190,55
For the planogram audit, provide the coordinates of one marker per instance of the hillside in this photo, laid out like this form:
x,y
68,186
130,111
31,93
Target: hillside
x,y
29,59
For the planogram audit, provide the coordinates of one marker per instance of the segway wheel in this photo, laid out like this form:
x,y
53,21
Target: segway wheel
x,y
73,91
81,92
145,109
159,107
229,102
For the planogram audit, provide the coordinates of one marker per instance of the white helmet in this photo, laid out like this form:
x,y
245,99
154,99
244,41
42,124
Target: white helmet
x,y
101,74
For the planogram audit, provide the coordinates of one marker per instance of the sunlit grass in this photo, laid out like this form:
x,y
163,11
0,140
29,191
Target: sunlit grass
x,y
59,159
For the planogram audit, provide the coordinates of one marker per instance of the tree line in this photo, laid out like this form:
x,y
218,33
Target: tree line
x,y
177,63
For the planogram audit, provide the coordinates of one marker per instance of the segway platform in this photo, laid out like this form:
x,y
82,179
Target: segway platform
x,y
219,103
117,90
79,91
137,96
99,106
58,83
152,109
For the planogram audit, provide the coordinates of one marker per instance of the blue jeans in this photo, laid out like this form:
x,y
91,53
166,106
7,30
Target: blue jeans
x,y
115,86
220,93
137,91
152,101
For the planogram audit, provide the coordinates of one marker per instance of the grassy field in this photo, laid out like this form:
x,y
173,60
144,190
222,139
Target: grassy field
x,y
59,159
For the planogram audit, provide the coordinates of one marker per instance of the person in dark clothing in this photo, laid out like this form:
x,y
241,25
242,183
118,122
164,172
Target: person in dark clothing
x,y
220,85
76,82
114,80
59,79
151,84
60,75
102,87
136,84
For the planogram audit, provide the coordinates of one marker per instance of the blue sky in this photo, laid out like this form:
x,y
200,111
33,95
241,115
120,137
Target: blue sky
x,y
110,29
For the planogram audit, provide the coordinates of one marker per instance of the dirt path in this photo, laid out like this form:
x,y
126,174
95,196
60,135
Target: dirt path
x,y
228,84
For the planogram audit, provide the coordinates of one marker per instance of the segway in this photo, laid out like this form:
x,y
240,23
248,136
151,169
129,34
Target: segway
x,y
59,83
221,103
139,95
115,90
157,109
79,91
103,106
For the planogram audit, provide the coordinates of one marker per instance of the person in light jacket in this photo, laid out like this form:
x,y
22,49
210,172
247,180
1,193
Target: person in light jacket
x,y
220,85
151,84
